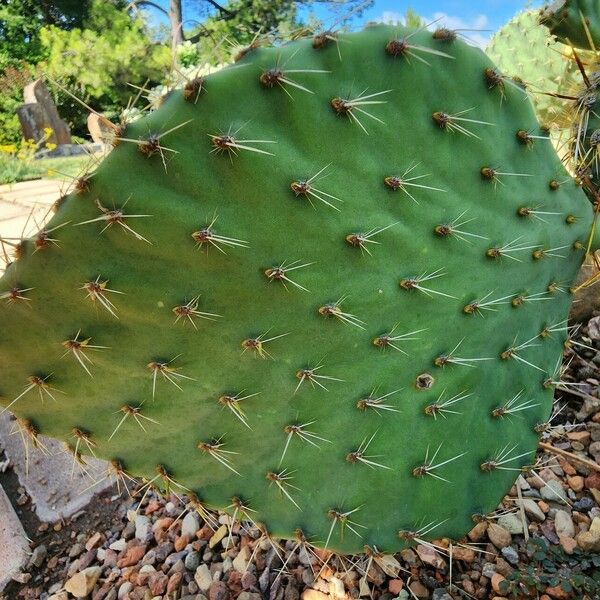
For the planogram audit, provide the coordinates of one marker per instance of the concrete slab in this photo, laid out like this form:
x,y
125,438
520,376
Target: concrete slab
x,y
14,547
54,493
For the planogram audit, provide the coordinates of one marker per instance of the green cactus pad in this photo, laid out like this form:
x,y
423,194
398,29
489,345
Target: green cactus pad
x,y
565,19
354,247
523,49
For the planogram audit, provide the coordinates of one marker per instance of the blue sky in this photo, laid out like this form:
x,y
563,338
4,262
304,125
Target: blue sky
x,y
456,14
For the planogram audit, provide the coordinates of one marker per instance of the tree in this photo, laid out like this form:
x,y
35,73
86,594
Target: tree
x,y
99,61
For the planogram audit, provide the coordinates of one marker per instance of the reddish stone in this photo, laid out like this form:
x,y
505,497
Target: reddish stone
x,y
558,593
131,556
218,591
174,582
592,481
497,580
395,586
181,542
158,583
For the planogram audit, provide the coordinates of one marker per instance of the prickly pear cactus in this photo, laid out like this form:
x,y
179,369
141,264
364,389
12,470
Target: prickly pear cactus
x,y
526,51
577,21
325,288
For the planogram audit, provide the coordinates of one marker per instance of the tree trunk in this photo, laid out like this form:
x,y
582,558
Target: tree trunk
x,y
175,16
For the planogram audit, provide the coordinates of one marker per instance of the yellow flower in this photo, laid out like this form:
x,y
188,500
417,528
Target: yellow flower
x,y
50,146
48,131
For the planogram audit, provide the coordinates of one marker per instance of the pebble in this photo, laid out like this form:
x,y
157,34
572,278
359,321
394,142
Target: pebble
x,y
218,591
584,504
441,594
576,482
190,525
511,555
553,492
119,545
192,561
418,589
512,523
429,556
497,581
132,556
38,556
489,570
143,527
310,594
240,562
203,577
499,536
589,541
532,510
82,583
563,524
568,543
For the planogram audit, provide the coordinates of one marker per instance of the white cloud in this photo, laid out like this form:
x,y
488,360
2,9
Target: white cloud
x,y
441,19
389,17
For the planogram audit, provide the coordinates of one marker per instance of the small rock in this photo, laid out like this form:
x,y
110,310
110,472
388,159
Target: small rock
x,y
82,583
511,555
192,560
593,328
563,524
240,562
310,594
76,550
558,593
203,577
142,527
124,588
595,526
568,544
250,596
395,586
418,589
499,536
441,594
575,483
59,596
429,556
532,510
465,554
38,556
592,480
190,524
217,536
583,504
218,591
174,583
93,541
497,581
157,583
478,532
553,492
512,523
132,556
119,545
589,541
489,570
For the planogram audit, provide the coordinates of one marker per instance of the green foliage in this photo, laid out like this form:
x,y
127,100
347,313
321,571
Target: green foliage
x,y
20,22
253,270
12,82
99,61
249,17
551,566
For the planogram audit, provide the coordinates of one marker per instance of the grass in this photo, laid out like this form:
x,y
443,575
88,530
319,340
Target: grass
x,y
13,170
